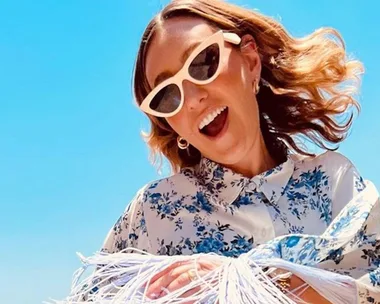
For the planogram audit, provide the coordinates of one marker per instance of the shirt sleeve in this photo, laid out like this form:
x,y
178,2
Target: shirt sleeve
x,y
350,246
360,258
348,184
130,229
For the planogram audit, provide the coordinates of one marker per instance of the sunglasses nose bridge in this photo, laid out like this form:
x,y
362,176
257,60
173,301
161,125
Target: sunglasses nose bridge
x,y
186,77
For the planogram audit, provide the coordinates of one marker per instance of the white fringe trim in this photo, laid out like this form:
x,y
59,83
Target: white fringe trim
x,y
120,278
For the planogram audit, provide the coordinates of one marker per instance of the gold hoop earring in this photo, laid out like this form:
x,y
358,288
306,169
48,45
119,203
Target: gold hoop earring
x,y
256,87
182,143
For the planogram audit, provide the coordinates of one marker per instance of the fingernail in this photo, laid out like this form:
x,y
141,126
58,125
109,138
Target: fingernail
x,y
153,296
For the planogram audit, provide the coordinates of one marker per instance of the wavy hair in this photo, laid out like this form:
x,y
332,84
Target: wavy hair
x,y
308,84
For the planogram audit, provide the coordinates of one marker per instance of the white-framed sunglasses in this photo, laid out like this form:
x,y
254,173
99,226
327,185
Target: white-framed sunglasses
x,y
201,67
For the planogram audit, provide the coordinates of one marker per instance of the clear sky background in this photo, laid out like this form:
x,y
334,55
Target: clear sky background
x,y
71,156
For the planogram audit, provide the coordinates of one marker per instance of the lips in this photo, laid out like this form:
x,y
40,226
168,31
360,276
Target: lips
x,y
216,126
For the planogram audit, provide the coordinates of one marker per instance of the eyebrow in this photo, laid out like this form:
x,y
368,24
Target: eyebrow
x,y
166,74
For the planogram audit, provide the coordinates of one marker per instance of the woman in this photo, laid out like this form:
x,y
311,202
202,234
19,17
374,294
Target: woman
x,y
229,93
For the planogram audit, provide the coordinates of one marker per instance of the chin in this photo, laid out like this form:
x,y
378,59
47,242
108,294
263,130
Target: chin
x,y
230,156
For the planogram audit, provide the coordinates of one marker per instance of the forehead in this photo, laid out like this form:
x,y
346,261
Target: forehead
x,y
173,38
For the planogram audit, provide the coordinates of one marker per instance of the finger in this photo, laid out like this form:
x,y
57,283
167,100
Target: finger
x,y
189,294
167,270
163,281
184,279
208,264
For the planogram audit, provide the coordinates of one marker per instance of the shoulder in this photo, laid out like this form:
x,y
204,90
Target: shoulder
x,y
330,168
331,161
175,185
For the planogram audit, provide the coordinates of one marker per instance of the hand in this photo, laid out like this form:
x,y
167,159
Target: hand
x,y
307,294
179,275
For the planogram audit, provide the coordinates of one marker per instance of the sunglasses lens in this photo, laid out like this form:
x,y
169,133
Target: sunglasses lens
x,y
205,65
167,100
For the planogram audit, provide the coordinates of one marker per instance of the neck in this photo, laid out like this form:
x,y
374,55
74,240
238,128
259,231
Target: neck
x,y
256,161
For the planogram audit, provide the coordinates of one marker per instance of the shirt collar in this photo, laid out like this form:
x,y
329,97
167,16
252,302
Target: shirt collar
x,y
225,185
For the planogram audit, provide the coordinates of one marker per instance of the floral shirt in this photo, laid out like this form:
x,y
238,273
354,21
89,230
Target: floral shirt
x,y
210,208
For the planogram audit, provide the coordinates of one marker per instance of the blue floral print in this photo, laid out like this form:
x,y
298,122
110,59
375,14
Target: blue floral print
x,y
211,209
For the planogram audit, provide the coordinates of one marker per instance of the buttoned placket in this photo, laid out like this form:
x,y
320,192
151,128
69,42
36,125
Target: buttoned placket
x,y
258,211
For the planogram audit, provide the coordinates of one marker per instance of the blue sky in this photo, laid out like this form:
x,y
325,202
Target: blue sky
x,y
71,155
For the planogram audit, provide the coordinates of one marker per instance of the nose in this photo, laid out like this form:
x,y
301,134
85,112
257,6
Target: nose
x,y
194,95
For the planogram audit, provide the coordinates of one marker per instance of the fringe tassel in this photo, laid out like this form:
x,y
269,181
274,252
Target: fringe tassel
x,y
336,288
120,277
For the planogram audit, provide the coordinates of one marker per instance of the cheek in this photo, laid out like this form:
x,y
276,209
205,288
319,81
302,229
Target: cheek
x,y
178,123
173,123
235,76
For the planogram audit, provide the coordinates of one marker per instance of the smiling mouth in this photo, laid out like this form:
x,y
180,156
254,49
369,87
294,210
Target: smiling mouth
x,y
214,128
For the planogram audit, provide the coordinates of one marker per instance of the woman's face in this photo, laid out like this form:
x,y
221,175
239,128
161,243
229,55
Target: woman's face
x,y
234,133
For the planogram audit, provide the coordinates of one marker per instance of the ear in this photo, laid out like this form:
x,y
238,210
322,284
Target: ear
x,y
248,49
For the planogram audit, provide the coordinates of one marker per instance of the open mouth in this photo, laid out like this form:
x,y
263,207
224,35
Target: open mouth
x,y
214,123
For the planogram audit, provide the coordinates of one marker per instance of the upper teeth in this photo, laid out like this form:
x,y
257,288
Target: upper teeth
x,y
210,117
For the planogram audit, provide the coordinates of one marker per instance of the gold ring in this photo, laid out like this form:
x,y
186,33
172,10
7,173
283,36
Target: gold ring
x,y
192,275
283,281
